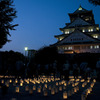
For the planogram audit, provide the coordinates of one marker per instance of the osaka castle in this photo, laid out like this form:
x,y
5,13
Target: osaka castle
x,y
81,35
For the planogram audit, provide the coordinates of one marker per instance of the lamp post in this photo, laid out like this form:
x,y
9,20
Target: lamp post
x,y
26,49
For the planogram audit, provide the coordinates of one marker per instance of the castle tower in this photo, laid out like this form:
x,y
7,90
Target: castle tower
x,y
80,35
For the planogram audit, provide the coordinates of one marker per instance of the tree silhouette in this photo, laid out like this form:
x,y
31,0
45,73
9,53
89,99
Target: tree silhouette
x,y
95,2
7,15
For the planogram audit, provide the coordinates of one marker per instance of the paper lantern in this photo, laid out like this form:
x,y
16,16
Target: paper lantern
x,y
39,89
21,84
45,93
65,84
73,85
27,88
30,91
94,80
52,91
60,88
56,83
45,85
16,81
17,89
10,80
2,81
83,85
34,87
88,91
65,95
75,89
49,87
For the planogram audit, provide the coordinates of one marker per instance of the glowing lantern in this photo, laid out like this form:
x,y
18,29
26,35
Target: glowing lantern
x,y
27,88
73,85
94,80
45,93
39,89
49,87
88,80
52,91
7,84
10,80
45,85
75,90
90,89
17,89
65,84
34,87
2,81
65,95
83,85
30,91
21,84
56,83
92,85
16,81
60,88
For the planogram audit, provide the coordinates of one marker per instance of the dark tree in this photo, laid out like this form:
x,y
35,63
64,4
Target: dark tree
x,y
7,15
95,2
46,55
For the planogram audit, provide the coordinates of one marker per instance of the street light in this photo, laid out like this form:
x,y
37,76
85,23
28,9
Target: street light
x,y
26,49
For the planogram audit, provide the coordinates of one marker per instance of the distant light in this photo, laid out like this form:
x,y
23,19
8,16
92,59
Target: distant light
x,y
83,30
26,48
80,8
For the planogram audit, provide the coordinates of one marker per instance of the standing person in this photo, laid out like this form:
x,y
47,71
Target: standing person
x,y
75,70
54,68
66,70
83,67
98,69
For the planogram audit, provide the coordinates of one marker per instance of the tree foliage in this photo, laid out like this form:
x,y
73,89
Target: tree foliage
x,y
7,15
46,55
95,2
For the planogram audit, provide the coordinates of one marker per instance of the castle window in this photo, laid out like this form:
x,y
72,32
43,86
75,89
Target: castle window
x,y
87,19
67,32
91,47
65,48
80,8
97,28
95,36
69,48
83,30
60,39
89,30
96,46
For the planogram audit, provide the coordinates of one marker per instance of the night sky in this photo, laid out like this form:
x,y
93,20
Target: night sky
x,y
40,20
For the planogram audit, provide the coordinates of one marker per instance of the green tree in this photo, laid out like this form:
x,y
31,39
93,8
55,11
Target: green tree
x,y
7,15
95,2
